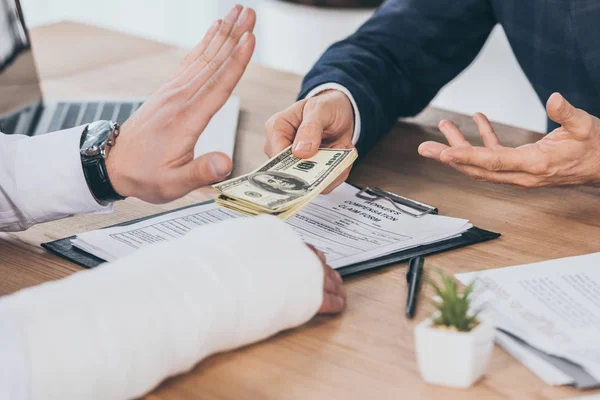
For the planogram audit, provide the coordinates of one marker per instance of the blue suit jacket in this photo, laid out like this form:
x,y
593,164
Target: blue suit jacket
x,y
399,59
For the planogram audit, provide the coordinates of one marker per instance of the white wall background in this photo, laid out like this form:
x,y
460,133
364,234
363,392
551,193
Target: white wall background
x,y
292,37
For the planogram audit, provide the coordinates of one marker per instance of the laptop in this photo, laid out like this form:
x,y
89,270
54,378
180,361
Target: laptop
x,y
24,110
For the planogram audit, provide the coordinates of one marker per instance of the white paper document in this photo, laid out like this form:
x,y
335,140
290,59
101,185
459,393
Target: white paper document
x,y
553,306
347,229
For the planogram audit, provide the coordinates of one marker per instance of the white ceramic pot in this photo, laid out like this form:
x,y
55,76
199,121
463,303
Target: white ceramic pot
x,y
450,358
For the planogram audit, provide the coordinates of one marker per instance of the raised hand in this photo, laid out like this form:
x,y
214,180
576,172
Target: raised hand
x,y
153,158
569,155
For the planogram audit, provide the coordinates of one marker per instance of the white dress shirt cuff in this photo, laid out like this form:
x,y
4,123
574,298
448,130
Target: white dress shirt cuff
x,y
343,89
50,179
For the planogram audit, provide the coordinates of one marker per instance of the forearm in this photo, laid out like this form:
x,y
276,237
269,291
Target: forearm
x,y
119,330
399,59
41,179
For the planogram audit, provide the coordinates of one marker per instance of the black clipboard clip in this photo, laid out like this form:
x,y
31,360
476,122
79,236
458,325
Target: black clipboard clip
x,y
410,207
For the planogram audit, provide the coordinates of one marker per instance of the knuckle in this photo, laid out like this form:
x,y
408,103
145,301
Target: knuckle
x,y
270,124
204,58
171,97
477,175
224,33
185,114
213,82
568,113
311,127
542,167
495,164
214,64
588,124
527,184
312,105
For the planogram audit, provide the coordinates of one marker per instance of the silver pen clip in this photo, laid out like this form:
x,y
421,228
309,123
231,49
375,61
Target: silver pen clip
x,y
374,194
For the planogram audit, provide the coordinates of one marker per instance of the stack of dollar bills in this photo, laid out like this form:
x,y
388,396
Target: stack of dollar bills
x,y
285,183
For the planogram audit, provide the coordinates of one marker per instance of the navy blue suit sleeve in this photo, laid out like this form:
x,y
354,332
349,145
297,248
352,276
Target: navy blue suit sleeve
x,y
400,58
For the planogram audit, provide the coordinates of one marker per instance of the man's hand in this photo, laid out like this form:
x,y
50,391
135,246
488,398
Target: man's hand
x,y
334,294
569,155
153,158
326,120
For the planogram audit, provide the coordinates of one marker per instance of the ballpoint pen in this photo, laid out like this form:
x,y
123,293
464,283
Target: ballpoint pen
x,y
413,277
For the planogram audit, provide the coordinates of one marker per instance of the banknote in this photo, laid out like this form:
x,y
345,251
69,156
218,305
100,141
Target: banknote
x,y
285,180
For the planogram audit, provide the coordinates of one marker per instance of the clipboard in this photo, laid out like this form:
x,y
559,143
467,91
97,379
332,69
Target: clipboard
x,y
413,208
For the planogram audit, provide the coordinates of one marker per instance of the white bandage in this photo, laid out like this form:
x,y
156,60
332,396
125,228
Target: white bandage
x,y
117,331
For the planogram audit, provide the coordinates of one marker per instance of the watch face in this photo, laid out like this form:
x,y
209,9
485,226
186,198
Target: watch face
x,y
97,135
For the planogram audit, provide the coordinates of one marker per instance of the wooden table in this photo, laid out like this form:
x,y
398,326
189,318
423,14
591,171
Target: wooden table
x,y
367,352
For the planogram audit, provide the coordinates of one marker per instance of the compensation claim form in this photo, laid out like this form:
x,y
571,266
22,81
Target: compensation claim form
x,y
346,228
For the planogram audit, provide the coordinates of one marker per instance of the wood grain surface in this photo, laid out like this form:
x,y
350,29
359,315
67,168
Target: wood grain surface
x,y
367,352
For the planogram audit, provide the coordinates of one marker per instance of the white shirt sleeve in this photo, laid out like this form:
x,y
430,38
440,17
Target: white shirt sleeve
x,y
115,332
343,89
41,179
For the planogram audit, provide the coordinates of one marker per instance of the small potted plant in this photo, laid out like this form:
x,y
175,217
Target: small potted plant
x,y
453,346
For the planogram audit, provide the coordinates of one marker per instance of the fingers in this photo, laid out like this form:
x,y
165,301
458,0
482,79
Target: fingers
x,y
207,101
521,179
573,119
310,133
199,48
432,149
205,57
224,34
281,128
202,171
318,252
453,134
486,131
332,304
334,294
244,24
524,158
227,36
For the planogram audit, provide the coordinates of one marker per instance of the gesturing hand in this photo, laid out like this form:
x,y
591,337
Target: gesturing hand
x,y
326,120
153,158
569,155
334,295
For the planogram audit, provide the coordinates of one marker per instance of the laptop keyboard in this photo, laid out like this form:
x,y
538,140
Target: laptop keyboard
x,y
9,124
69,115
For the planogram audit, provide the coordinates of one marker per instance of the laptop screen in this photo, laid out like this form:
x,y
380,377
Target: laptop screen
x,y
19,81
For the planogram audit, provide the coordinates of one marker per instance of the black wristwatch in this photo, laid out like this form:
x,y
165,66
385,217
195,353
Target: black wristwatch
x,y
96,141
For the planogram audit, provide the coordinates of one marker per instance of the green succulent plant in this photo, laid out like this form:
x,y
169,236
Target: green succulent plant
x,y
453,306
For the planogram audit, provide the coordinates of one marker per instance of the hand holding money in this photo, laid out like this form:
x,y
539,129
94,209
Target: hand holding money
x,y
285,183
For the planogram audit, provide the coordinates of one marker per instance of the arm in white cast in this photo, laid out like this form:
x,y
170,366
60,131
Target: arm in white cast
x,y
343,89
117,331
41,179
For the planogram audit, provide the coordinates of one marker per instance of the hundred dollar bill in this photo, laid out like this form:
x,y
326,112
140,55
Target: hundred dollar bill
x,y
286,180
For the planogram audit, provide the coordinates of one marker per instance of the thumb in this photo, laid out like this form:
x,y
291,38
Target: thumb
x,y
309,135
202,171
571,118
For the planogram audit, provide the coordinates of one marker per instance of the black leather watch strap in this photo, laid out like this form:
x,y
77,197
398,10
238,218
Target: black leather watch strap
x,y
98,181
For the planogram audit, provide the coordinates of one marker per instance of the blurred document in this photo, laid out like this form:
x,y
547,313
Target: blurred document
x,y
552,307
347,229
528,357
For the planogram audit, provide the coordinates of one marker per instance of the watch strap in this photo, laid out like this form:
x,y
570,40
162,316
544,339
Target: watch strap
x,y
98,181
